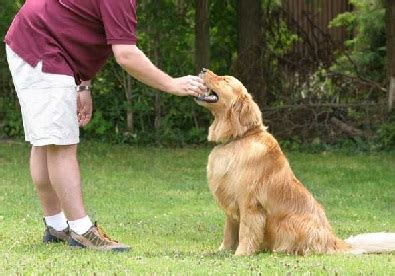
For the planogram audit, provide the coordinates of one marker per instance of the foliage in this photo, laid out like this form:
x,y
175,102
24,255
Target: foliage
x,y
278,40
166,35
157,200
357,78
366,49
386,134
10,121
223,35
13,126
364,63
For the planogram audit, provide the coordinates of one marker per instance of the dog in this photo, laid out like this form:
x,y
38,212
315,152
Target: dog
x,y
267,208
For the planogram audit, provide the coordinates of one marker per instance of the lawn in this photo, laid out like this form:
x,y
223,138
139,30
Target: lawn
x,y
157,200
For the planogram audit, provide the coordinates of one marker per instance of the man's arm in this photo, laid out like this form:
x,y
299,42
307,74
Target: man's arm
x,y
136,63
86,83
84,103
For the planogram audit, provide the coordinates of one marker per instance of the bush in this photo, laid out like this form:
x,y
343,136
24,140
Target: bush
x,y
386,134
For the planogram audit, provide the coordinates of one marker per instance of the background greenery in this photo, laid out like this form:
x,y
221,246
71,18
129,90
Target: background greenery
x,y
301,95
157,200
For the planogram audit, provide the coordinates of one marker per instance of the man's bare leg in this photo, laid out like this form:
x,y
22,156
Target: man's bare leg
x,y
39,171
64,175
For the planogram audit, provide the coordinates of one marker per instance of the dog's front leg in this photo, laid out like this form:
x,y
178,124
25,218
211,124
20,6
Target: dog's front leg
x,y
231,234
251,232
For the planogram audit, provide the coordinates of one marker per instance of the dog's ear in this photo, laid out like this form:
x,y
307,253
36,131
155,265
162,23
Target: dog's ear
x,y
244,114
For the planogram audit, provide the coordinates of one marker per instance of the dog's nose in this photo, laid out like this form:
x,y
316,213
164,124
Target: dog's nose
x,y
204,70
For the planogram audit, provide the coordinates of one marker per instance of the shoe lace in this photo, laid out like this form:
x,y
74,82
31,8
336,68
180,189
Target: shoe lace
x,y
103,234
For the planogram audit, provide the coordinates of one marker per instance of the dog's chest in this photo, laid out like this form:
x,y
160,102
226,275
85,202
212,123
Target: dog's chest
x,y
221,172
233,171
233,165
220,163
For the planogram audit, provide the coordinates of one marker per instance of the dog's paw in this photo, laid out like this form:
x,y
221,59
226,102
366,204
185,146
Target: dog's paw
x,y
240,253
243,252
224,247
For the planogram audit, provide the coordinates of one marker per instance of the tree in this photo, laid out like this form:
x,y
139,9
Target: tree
x,y
391,51
250,49
10,119
202,35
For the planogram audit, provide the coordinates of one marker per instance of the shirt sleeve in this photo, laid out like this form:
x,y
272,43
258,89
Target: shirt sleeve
x,y
119,20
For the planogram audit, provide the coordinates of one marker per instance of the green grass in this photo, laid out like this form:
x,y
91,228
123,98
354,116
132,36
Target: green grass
x,y
157,200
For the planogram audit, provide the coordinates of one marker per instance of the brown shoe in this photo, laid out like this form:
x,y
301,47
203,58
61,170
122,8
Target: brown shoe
x,y
95,238
52,236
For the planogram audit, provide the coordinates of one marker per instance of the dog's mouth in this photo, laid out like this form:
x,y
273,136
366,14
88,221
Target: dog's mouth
x,y
209,97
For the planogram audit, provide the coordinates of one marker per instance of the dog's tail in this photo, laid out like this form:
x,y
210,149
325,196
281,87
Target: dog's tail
x,y
371,243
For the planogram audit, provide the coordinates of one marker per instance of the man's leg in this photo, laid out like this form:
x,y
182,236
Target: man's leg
x,y
39,172
57,228
64,174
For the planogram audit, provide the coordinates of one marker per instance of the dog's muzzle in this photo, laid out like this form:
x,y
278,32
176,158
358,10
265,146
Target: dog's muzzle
x,y
210,96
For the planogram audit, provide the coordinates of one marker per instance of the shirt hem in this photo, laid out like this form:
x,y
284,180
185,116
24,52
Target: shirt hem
x,y
122,41
33,61
28,59
53,141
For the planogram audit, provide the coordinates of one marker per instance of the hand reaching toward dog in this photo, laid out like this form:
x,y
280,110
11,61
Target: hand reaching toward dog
x,y
136,63
188,86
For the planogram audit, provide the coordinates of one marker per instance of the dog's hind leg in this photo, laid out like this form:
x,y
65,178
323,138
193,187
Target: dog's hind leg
x,y
231,234
251,232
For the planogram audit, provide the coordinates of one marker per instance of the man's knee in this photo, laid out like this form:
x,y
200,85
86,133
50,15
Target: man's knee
x,y
62,149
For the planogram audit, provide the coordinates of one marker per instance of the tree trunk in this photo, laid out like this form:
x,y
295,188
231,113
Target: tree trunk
x,y
249,64
128,93
391,52
126,82
158,101
202,36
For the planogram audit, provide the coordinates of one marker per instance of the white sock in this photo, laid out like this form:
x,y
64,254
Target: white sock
x,y
57,222
81,226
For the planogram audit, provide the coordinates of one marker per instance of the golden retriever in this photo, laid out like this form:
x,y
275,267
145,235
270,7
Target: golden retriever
x,y
267,208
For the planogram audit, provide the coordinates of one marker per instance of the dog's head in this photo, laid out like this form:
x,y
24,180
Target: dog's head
x,y
233,108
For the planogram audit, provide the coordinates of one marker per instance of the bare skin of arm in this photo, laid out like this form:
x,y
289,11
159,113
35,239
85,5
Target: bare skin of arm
x,y
138,65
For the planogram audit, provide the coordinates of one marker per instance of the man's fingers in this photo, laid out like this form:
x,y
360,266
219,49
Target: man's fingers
x,y
84,117
80,119
198,85
194,92
83,122
203,88
190,86
196,79
198,88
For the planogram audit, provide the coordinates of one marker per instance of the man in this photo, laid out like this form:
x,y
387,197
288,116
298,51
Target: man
x,y
52,45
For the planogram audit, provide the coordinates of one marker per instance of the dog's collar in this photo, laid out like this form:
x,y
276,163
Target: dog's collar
x,y
249,132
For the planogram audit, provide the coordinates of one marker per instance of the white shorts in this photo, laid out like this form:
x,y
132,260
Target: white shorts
x,y
48,103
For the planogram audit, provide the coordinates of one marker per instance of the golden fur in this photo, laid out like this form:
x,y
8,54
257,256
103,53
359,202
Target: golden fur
x,y
266,206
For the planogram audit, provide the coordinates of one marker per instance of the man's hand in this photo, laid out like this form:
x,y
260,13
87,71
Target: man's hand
x,y
187,86
84,107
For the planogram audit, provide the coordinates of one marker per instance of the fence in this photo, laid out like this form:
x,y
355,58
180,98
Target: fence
x,y
310,19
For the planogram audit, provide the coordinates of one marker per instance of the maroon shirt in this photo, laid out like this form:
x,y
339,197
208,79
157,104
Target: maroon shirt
x,y
71,37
